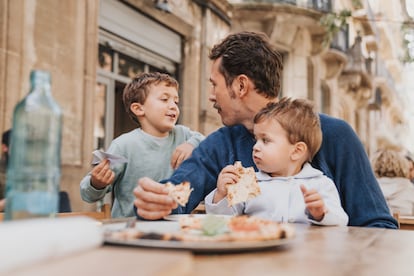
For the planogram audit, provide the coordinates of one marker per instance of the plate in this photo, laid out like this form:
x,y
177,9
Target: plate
x,y
178,217
173,227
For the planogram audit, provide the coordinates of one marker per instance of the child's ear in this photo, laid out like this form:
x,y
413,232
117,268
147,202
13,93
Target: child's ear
x,y
299,152
137,109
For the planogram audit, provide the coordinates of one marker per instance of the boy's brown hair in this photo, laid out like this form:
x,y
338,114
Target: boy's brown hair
x,y
299,120
138,89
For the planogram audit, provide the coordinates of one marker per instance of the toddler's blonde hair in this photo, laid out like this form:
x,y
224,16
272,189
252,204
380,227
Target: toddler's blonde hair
x,y
298,118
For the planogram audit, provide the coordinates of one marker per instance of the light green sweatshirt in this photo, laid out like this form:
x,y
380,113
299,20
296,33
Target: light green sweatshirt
x,y
147,156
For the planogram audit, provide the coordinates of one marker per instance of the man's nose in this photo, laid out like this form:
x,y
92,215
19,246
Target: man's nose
x,y
212,98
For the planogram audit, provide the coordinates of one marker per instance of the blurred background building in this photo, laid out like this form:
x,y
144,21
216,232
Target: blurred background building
x,y
348,56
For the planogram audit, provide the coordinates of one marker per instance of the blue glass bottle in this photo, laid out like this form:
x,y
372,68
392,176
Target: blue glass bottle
x,y
33,172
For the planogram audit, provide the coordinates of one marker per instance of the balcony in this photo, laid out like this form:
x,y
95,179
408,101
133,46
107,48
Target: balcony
x,y
319,5
340,41
367,20
355,77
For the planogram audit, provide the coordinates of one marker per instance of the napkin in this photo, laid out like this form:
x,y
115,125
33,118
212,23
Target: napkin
x,y
26,242
99,155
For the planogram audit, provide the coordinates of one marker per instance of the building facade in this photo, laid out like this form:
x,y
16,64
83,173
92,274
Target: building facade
x,y
92,48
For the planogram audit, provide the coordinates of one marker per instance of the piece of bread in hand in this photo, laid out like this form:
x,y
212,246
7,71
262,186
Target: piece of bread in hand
x,y
246,188
180,192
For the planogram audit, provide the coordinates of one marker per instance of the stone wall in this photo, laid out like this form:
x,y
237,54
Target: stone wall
x,y
62,37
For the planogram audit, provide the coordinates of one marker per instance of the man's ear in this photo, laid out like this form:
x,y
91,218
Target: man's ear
x,y
299,152
242,85
137,109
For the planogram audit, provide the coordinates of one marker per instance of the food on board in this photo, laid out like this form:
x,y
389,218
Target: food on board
x,y
215,228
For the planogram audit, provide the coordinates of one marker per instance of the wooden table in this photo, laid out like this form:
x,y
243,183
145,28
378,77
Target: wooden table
x,y
323,251
315,251
114,261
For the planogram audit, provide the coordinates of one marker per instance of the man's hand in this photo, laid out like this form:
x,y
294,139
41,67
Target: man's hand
x,y
314,203
102,175
181,153
152,200
2,204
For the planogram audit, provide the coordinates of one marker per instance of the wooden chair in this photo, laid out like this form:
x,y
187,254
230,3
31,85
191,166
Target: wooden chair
x,y
103,214
405,222
200,209
396,215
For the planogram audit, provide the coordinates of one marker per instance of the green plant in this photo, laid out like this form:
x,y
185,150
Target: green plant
x,y
333,22
357,4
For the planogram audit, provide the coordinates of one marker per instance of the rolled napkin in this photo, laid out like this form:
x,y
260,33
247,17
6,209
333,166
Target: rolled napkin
x,y
99,155
25,242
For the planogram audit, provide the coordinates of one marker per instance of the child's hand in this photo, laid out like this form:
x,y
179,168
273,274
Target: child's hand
x,y
181,153
102,175
228,175
314,203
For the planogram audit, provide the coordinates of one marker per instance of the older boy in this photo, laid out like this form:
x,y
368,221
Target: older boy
x,y
154,149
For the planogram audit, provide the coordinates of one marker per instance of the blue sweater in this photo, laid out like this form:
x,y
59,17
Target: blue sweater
x,y
342,157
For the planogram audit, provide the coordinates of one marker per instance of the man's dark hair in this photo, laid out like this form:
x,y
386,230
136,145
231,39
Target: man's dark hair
x,y
251,54
5,138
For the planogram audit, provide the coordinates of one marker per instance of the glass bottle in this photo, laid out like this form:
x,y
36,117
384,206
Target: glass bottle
x,y
33,172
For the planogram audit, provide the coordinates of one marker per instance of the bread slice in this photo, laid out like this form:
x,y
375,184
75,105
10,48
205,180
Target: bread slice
x,y
246,188
180,192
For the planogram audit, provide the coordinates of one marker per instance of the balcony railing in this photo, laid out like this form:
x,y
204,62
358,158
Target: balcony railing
x,y
319,5
340,41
